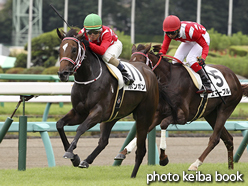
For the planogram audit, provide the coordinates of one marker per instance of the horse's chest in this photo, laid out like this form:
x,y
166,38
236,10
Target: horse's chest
x,y
84,100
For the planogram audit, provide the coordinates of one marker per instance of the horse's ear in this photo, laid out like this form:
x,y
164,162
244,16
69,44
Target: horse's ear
x,y
80,36
147,48
156,48
61,35
134,49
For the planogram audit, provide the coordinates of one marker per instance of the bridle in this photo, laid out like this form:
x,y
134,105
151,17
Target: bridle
x,y
80,57
148,61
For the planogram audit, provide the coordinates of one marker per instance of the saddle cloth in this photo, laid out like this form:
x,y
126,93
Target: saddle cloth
x,y
217,79
138,85
139,81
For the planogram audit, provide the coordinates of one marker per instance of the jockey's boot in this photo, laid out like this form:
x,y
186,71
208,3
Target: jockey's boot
x,y
128,80
205,81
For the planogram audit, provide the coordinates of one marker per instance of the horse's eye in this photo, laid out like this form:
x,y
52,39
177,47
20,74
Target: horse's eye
x,y
74,50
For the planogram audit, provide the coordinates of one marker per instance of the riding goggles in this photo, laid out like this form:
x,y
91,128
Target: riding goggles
x,y
172,33
95,32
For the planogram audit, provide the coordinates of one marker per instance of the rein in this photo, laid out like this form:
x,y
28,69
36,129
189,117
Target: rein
x,y
80,57
148,61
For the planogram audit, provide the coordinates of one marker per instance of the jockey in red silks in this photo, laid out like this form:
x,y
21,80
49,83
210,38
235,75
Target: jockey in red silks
x,y
195,43
103,41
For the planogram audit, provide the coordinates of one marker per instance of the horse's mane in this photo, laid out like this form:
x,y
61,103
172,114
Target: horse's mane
x,y
72,33
140,47
158,56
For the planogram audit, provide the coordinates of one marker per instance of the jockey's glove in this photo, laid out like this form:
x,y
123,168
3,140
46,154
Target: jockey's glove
x,y
86,42
201,62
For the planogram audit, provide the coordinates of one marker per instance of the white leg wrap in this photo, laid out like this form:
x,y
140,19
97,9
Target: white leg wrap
x,y
131,145
163,140
194,166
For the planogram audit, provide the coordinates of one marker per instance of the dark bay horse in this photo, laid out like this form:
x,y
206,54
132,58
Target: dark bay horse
x,y
183,102
93,95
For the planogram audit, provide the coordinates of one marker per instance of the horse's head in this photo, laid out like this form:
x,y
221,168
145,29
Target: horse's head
x,y
71,53
139,53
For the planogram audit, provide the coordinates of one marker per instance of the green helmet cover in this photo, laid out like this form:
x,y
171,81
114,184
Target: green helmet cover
x,y
92,22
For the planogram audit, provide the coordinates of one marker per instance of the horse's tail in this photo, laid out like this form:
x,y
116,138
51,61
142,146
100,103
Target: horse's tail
x,y
245,89
165,102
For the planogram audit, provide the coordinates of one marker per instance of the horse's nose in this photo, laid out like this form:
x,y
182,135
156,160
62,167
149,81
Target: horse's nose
x,y
60,74
63,75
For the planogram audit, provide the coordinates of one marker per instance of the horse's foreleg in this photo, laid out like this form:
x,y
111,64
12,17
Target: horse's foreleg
x,y
105,129
128,149
163,157
91,120
72,118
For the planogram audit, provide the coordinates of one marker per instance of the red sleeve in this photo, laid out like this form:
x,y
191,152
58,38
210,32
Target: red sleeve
x,y
205,48
106,42
165,44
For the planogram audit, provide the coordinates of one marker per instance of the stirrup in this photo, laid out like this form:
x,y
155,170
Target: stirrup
x,y
204,90
128,81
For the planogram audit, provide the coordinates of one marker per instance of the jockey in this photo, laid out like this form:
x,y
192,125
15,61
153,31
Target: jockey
x,y
103,41
195,43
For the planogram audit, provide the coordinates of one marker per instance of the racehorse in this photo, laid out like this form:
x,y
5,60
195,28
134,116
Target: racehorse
x,y
183,102
93,95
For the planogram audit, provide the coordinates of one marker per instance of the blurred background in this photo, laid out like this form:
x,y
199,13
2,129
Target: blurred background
x,y
134,21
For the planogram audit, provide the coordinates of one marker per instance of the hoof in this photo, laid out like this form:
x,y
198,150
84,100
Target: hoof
x,y
120,157
164,162
83,164
68,155
193,168
76,160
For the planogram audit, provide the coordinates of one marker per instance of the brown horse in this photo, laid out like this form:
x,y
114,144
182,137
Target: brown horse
x,y
183,103
94,94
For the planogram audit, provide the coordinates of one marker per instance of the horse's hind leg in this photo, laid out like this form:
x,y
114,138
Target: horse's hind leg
x,y
141,148
105,129
142,126
217,122
228,141
128,149
226,138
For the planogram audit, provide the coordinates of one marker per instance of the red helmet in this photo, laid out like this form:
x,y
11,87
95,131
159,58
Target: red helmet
x,y
171,23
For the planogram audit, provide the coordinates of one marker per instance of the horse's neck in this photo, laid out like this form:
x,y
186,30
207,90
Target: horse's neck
x,y
88,70
163,70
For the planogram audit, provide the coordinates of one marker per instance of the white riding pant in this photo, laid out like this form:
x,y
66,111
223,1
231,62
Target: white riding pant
x,y
113,51
190,49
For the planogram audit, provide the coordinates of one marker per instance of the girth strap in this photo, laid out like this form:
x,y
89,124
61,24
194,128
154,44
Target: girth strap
x,y
202,106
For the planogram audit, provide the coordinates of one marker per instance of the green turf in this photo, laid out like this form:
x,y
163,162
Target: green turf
x,y
118,176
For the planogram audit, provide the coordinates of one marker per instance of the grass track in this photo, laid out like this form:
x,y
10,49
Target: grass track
x,y
114,176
